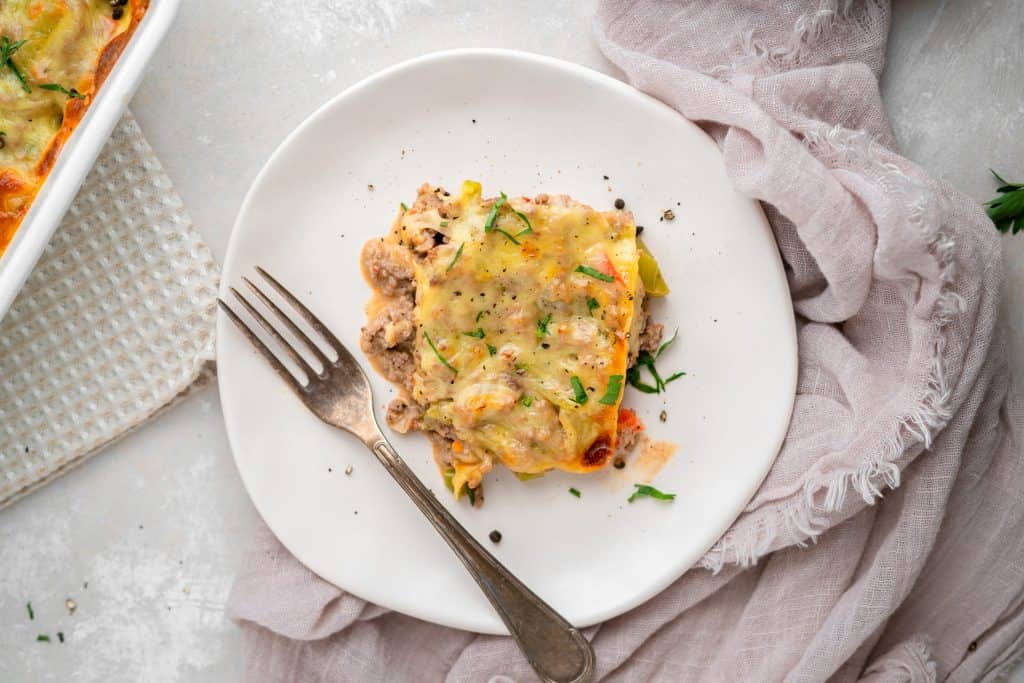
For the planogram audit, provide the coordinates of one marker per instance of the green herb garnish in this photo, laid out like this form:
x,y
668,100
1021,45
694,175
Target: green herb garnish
x,y
437,353
647,360
645,491
509,237
1007,210
444,224
579,393
43,638
493,215
481,314
471,494
455,258
492,349
31,612
527,476
594,273
542,326
526,401
575,492
56,87
611,397
633,377
476,334
404,207
523,218
592,304
521,366
7,50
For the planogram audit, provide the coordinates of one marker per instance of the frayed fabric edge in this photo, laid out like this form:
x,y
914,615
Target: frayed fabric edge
x,y
803,522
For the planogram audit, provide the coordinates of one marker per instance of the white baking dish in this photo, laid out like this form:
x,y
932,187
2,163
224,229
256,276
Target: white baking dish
x,y
81,150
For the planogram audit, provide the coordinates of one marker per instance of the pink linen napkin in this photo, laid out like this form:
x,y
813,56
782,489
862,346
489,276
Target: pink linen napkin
x,y
886,544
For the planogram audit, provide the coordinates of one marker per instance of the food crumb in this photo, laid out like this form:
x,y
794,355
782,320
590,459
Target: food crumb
x,y
370,187
71,605
60,636
473,120
620,204
605,177
348,470
663,416
495,536
619,463
668,215
186,590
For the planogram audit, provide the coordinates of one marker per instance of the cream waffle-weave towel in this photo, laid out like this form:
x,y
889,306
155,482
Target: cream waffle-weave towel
x,y
115,324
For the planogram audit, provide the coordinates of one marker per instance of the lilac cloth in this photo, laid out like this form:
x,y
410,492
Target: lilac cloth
x,y
887,542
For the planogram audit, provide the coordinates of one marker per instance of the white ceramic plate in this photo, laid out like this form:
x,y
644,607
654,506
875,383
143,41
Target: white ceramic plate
x,y
80,152
523,124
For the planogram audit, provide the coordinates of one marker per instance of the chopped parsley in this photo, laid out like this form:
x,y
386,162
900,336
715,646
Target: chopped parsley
x,y
43,638
592,304
455,258
437,353
611,397
645,491
648,360
481,314
509,237
523,218
542,326
471,493
579,393
7,50
478,333
404,207
594,273
493,350
31,612
56,87
444,224
526,401
575,492
493,215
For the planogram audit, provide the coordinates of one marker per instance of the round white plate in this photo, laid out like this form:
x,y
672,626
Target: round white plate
x,y
522,124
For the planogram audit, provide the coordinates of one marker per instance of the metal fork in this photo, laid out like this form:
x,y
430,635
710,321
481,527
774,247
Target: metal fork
x,y
340,395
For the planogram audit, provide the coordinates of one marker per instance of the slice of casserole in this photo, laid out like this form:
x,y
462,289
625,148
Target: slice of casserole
x,y
54,56
507,322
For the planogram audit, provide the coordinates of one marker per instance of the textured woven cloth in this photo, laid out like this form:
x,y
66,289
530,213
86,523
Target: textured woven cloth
x,y
114,324
887,542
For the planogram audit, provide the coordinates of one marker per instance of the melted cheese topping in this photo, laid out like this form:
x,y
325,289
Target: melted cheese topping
x,y
519,353
70,43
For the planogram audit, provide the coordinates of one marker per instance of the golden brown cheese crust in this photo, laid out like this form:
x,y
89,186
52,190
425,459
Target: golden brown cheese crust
x,y
519,336
25,166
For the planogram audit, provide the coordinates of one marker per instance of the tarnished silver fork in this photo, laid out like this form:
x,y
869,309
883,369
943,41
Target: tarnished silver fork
x,y
339,394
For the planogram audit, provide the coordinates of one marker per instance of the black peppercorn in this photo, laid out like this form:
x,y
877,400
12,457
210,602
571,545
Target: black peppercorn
x,y
117,13
619,463
495,536
620,204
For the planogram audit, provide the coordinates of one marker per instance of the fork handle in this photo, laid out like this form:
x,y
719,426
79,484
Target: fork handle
x,y
556,650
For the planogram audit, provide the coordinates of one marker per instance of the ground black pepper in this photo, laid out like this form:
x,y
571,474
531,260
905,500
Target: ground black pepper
x,y
495,536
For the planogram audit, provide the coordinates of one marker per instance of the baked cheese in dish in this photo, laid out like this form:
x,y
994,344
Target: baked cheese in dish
x,y
509,323
54,55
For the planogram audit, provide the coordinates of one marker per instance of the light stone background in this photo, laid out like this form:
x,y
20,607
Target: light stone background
x,y
156,524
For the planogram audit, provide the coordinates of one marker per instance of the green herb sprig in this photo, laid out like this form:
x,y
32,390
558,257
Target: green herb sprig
x,y
1007,210
7,50
437,353
575,491
645,491
56,87
611,397
595,273
579,393
458,255
542,326
648,360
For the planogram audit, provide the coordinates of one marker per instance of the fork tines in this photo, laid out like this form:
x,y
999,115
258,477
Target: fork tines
x,y
310,347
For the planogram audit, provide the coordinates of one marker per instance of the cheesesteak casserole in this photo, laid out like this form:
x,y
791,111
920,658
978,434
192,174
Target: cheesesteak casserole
x,y
510,326
54,56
